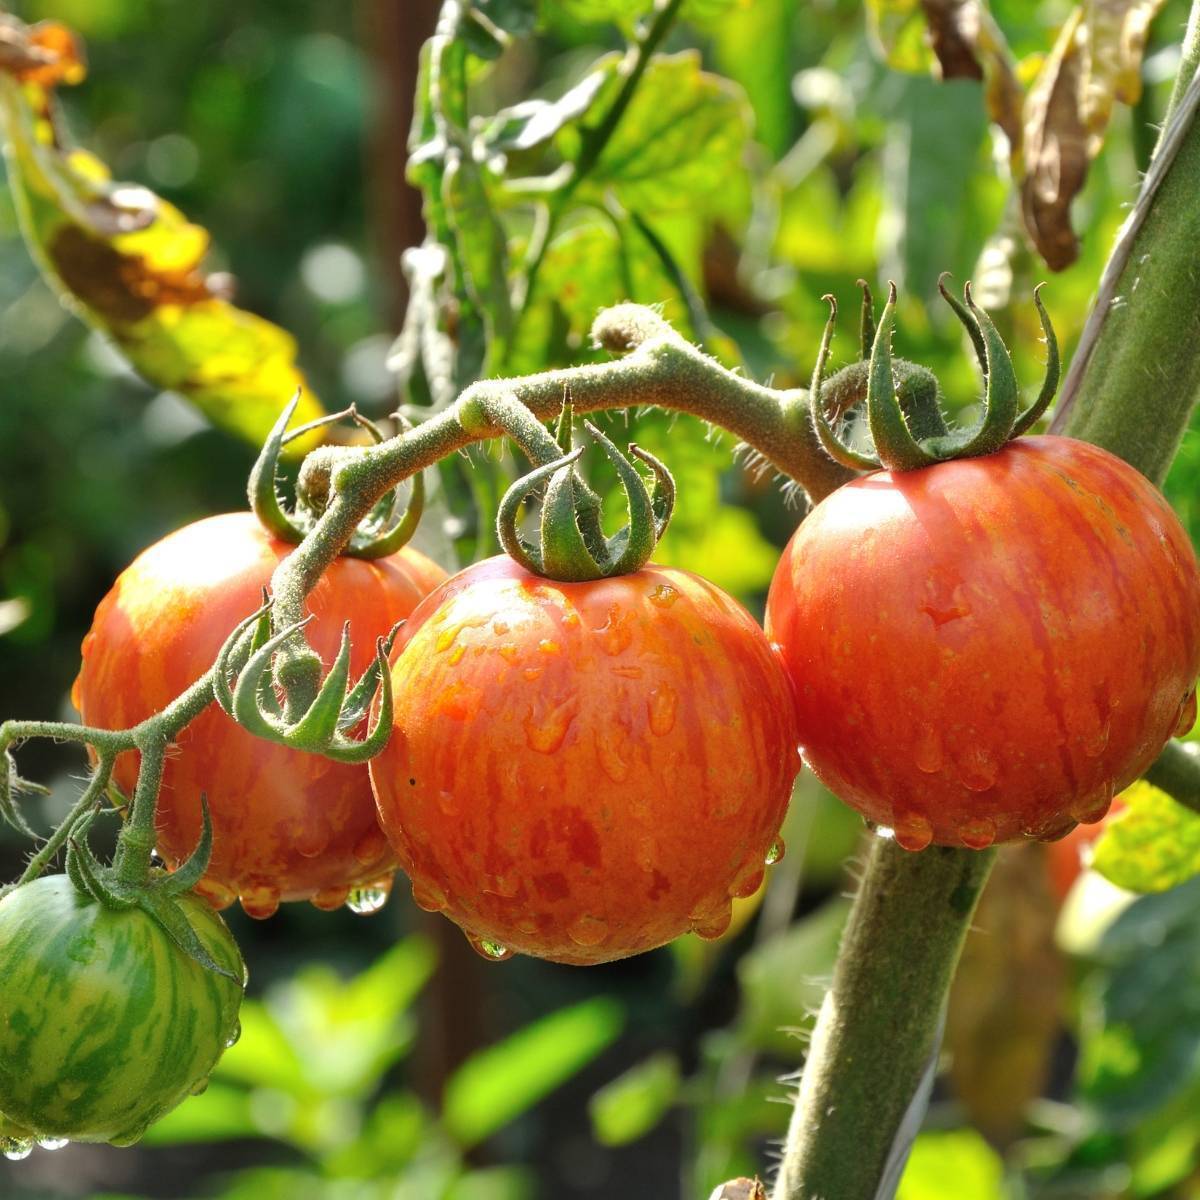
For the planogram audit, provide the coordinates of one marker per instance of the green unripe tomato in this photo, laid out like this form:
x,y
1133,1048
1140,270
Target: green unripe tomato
x,y
105,1024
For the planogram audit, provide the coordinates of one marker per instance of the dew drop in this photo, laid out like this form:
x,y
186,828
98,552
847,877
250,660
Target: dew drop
x,y
927,751
546,735
371,847
509,652
613,755
500,628
546,646
448,802
977,833
199,1087
747,883
235,1035
53,1143
330,899
1095,741
712,925
616,633
912,831
531,674
776,852
17,1149
588,931
370,898
977,769
1187,715
260,902
664,595
492,951
429,897
216,895
506,886
312,841
660,707
456,655
571,619
1093,806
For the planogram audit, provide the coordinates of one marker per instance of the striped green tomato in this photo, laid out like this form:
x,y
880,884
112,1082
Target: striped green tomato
x,y
105,1024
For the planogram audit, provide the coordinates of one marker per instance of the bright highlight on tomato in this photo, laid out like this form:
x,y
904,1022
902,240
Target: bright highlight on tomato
x,y
585,771
286,825
105,1024
992,647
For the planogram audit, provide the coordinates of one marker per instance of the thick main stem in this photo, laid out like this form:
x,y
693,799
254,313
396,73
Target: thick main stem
x,y
879,1025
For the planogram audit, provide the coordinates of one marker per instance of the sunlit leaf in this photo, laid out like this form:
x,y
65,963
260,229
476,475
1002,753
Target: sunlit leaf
x,y
898,30
957,1165
630,1106
680,145
498,1084
130,264
221,1113
627,13
491,26
1152,845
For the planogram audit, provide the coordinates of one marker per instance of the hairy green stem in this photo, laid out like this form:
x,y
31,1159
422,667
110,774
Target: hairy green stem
x,y
1177,772
136,843
1189,65
879,1025
89,798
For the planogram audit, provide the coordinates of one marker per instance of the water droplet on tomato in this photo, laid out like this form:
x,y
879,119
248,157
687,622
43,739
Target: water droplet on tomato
x,y
912,831
430,897
613,754
712,924
616,633
660,708
506,886
260,902
1092,806
370,898
53,1143
747,883
664,595
1187,715
17,1149
235,1035
456,655
1095,740
977,833
546,733
500,628
546,646
330,899
928,754
216,895
371,847
485,948
587,931
509,652
448,803
977,770
199,1087
531,674
777,850
312,840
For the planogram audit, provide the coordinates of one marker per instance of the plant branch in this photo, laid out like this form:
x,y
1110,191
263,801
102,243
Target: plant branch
x,y
879,1025
1176,771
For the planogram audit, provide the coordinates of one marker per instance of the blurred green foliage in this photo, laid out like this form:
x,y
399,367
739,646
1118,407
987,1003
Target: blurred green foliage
x,y
765,159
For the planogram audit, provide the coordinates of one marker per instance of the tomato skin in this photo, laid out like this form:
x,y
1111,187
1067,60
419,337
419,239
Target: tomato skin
x,y
286,825
105,1024
584,771
992,647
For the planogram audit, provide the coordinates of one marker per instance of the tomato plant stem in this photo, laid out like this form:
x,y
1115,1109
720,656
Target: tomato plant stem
x,y
879,1026
89,799
1177,772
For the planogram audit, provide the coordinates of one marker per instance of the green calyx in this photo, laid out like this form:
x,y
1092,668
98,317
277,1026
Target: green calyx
x,y
157,896
903,415
244,687
571,544
381,532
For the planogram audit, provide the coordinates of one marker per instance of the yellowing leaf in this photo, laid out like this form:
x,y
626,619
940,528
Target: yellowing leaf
x,y
1152,845
129,263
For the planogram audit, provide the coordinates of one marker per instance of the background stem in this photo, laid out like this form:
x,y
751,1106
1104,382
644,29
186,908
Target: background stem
x,y
879,1024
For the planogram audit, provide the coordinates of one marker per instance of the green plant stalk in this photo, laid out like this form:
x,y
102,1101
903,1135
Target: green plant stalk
x,y
1177,772
879,1024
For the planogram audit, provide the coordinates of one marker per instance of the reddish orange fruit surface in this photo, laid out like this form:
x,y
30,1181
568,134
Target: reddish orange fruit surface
x,y
585,771
286,825
989,648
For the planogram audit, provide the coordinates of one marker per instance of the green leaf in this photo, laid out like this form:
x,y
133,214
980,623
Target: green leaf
x,y
958,1165
490,26
493,1183
130,264
898,30
680,146
498,1084
627,13
784,980
219,1114
630,1106
1152,845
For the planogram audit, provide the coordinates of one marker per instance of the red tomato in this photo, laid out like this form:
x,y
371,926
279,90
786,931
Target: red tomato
x,y
286,825
992,647
584,771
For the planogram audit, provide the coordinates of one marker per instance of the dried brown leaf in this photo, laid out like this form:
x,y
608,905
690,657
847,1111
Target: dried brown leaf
x,y
1114,38
740,1189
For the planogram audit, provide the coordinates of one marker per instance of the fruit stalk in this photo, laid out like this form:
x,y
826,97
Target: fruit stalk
x,y
879,1025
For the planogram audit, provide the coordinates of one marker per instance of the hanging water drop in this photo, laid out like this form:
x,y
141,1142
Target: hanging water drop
x,y
234,1035
492,951
776,852
18,1149
52,1143
370,898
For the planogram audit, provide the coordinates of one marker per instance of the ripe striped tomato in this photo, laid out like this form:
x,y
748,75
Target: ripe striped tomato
x,y
992,647
105,1024
584,771
286,825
